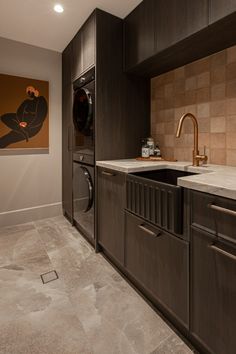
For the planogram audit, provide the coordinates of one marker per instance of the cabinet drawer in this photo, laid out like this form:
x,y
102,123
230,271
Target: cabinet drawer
x,y
214,214
159,263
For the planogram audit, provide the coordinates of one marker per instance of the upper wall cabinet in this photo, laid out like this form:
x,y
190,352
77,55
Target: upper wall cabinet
x,y
139,37
220,9
156,25
178,19
84,48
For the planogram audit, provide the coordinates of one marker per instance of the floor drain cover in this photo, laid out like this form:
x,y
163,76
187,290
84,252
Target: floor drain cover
x,y
49,276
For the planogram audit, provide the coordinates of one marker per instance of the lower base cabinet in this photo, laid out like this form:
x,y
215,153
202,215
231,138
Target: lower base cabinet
x,y
213,293
110,213
159,263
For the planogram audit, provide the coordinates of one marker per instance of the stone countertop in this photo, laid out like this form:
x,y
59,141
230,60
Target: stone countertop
x,y
213,179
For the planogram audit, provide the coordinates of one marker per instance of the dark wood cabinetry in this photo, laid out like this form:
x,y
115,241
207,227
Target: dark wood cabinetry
x,y
84,48
155,26
176,20
67,65
122,102
213,293
110,211
159,262
163,35
139,29
221,8
77,60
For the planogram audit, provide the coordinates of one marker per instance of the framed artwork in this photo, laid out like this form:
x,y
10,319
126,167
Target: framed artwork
x,y
24,118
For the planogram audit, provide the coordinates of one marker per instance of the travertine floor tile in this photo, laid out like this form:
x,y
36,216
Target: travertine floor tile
x,y
89,309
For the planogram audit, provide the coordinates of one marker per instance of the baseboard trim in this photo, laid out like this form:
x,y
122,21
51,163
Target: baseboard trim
x,y
21,216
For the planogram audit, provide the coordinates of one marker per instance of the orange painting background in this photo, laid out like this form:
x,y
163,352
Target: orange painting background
x,y
12,94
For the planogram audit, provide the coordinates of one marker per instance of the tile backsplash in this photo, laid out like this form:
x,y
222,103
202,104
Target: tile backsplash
x,y
206,88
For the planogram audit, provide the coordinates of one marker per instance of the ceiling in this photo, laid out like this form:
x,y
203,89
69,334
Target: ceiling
x,y
35,22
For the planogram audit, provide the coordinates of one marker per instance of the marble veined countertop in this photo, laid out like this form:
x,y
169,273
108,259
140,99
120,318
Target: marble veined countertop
x,y
213,179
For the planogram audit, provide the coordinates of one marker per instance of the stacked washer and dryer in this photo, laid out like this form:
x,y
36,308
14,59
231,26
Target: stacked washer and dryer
x,y
83,155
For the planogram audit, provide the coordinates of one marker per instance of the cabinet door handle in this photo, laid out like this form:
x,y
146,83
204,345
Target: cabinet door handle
x,y
109,174
150,232
224,253
222,210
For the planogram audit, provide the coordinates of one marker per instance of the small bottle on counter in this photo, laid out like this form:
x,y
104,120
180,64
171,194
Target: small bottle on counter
x,y
145,148
150,143
157,151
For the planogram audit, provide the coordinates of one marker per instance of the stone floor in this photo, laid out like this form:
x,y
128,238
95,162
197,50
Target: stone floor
x,y
89,309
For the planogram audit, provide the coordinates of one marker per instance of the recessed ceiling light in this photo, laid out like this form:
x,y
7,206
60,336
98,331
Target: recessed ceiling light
x,y
58,8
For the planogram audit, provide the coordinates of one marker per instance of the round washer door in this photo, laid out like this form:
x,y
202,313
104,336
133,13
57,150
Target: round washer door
x,y
83,111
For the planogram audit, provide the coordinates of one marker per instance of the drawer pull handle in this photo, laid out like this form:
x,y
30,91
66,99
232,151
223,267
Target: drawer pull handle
x,y
109,174
224,253
222,210
151,233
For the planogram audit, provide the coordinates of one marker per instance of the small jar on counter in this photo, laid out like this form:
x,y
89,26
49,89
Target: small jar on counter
x,y
145,148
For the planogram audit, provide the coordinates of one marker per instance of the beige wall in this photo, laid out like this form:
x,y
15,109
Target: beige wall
x,y
30,185
206,88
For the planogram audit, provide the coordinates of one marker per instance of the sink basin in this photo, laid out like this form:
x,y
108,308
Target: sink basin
x,y
156,197
167,176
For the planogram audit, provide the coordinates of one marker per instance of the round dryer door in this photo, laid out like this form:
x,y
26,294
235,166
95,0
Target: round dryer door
x,y
83,111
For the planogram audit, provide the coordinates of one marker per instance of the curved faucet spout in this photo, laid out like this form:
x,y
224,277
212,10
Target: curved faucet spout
x,y
196,155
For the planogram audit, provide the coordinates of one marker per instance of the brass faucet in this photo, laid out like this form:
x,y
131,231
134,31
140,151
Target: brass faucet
x,y
196,156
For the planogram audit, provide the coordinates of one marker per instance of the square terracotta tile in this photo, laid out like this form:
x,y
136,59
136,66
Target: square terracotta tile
x,y
190,97
218,92
203,110
231,89
191,83
203,95
169,115
218,125
169,128
179,100
231,157
179,86
231,106
217,108
218,156
231,141
218,141
169,140
204,125
231,71
203,80
231,54
159,128
231,124
218,75
169,90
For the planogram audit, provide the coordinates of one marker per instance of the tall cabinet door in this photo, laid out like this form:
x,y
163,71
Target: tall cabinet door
x,y
88,43
110,210
213,290
67,141
139,34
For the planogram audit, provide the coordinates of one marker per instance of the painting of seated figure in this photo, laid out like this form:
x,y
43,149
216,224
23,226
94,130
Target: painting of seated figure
x,y
24,113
